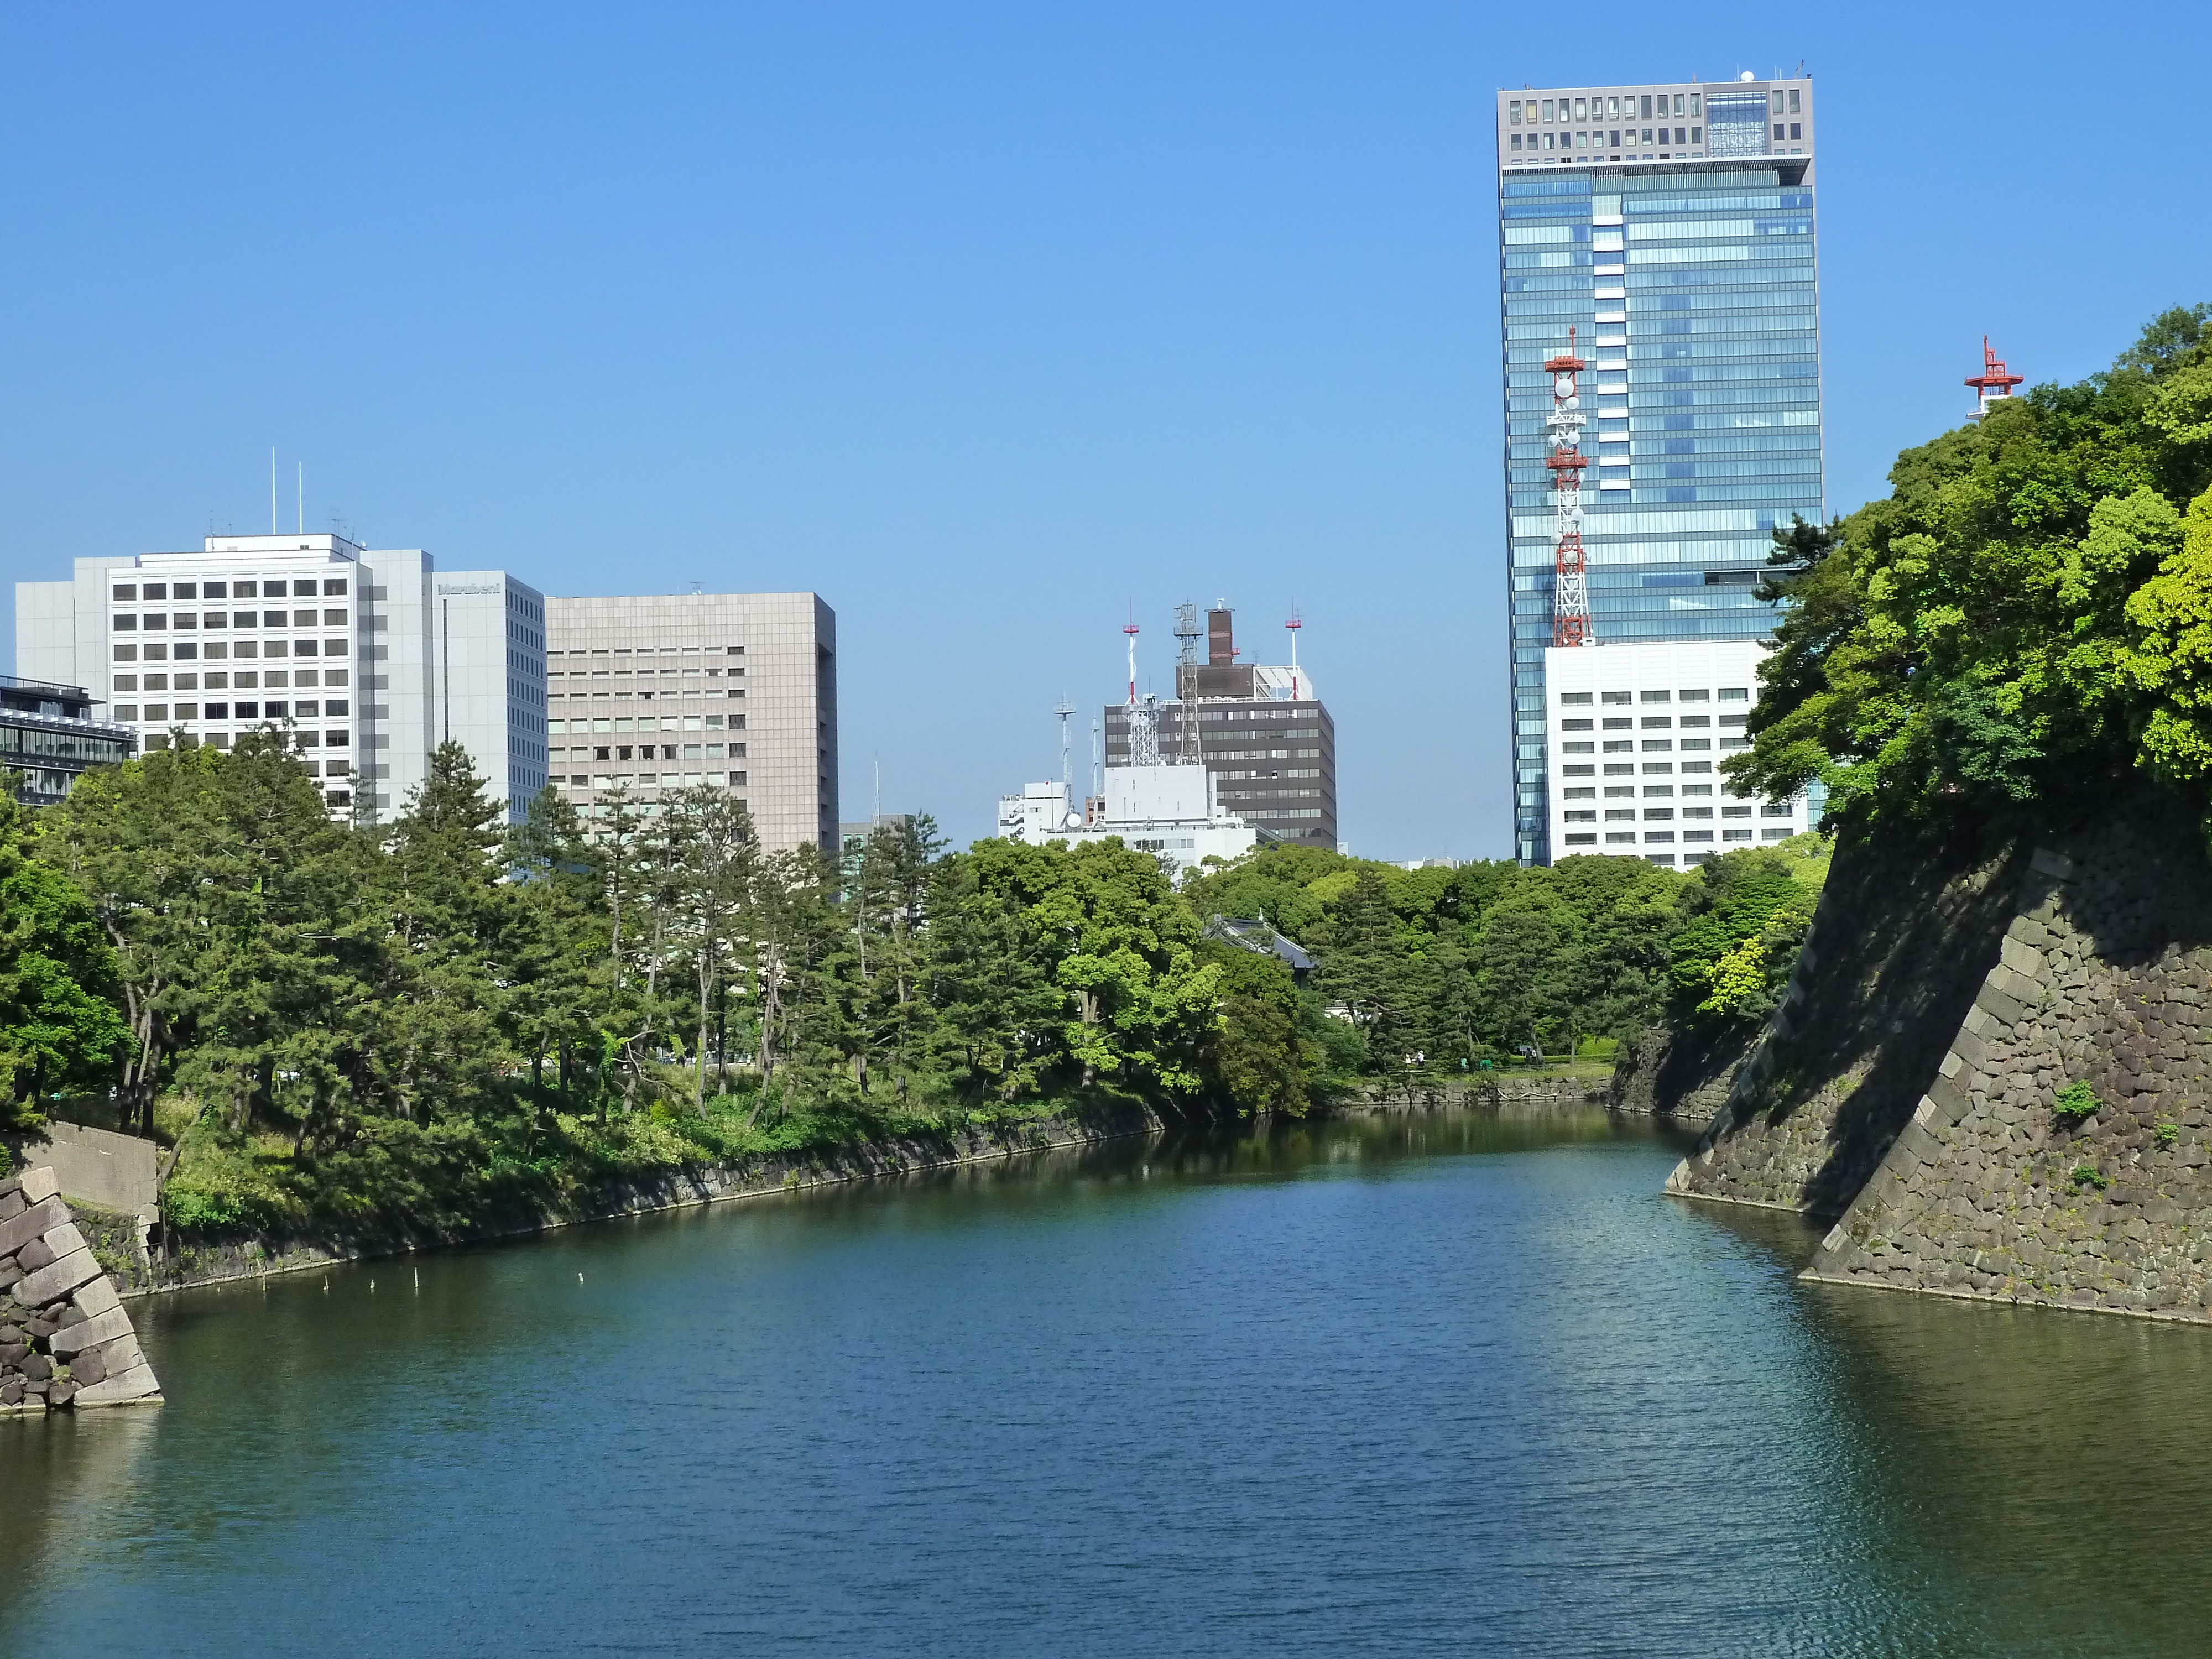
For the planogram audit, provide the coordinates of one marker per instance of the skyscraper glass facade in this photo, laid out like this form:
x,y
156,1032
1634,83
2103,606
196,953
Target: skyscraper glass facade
x,y
1686,265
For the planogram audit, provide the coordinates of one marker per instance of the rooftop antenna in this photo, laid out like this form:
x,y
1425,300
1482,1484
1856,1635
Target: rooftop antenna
x,y
698,586
1131,630
1066,778
1294,624
1995,382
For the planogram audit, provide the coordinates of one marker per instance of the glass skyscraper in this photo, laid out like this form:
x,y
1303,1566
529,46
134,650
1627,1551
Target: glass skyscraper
x,y
1671,228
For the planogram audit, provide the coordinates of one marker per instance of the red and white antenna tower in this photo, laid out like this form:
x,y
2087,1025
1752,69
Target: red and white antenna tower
x,y
1994,381
1131,630
1294,624
1571,615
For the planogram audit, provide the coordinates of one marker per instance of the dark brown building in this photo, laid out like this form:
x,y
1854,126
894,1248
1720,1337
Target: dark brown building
x,y
1272,755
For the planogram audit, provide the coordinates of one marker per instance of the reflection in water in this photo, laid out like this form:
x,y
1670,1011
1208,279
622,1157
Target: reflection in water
x,y
1440,1384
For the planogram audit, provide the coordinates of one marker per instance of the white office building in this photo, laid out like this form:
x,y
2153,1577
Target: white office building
x,y
1634,736
1173,812
370,658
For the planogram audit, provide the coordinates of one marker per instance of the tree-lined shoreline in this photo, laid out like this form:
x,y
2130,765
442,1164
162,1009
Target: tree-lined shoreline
x,y
403,1029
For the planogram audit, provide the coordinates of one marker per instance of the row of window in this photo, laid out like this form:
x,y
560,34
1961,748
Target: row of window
x,y
180,713
576,755
1651,792
300,587
293,707
1656,814
220,651
653,651
1661,837
1598,137
1651,769
1654,746
605,781
627,723
1599,106
132,621
314,766
664,692
1728,694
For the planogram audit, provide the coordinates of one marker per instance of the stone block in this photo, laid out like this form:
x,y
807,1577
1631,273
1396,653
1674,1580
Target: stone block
x,y
39,1183
63,1239
1971,1048
121,1355
35,1222
124,1389
75,1268
91,1332
2003,1008
2023,958
2057,866
96,1297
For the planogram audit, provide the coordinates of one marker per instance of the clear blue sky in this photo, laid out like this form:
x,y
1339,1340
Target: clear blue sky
x,y
982,321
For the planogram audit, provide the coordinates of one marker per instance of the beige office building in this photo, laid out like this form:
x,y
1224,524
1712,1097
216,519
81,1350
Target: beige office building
x,y
661,692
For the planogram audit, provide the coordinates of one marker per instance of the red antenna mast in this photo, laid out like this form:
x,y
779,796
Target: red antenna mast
x,y
1294,624
1131,630
1993,382
1571,615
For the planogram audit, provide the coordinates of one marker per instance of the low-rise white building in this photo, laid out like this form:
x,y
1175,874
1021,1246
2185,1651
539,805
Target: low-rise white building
x,y
1635,734
371,658
1173,812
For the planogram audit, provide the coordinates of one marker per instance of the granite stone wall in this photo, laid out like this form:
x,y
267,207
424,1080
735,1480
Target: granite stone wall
x,y
1896,952
65,1340
2100,977
2104,979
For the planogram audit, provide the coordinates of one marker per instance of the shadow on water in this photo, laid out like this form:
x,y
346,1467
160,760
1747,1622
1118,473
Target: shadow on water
x,y
2027,1481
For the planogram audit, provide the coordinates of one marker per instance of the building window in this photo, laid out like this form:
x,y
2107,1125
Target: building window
x,y
1796,130
1513,114
1575,699
1547,109
127,591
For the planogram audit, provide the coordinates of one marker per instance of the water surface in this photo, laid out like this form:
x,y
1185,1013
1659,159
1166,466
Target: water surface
x,y
1438,1385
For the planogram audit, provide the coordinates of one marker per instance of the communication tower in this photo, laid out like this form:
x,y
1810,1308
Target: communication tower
x,y
1571,615
1994,383
1294,624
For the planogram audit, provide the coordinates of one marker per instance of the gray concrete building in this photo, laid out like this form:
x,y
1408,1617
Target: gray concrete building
x,y
655,693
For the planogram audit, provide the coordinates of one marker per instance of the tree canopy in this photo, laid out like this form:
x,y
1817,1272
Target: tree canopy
x,y
2024,621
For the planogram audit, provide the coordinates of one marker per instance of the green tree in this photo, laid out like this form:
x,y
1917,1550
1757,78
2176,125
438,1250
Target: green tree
x,y
59,1024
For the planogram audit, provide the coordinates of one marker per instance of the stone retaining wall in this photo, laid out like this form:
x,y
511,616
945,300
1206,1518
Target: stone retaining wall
x,y
2105,978
2102,975
1895,955
65,1340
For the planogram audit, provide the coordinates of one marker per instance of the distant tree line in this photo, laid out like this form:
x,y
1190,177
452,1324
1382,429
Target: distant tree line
x,y
410,1024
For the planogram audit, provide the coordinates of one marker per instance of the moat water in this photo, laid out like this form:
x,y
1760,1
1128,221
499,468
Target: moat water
x,y
1442,1385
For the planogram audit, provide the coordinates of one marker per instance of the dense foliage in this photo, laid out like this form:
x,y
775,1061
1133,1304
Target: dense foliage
x,y
2024,621
439,1020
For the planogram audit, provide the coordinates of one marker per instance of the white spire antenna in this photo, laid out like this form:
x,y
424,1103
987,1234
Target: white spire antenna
x,y
1131,630
1067,779
1294,624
